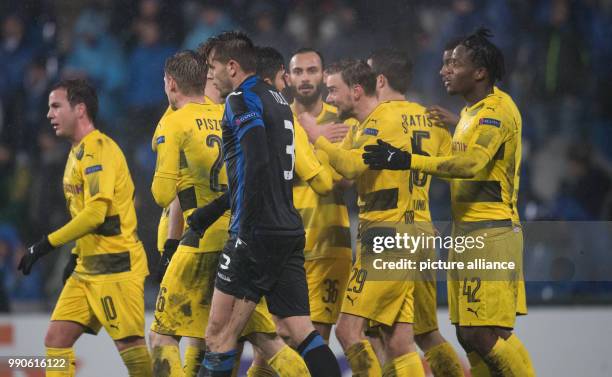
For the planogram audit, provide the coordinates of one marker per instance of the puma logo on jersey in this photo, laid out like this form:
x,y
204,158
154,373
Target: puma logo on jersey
x,y
351,299
473,311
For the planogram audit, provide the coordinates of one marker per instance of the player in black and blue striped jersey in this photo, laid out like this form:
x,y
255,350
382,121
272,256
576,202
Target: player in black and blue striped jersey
x,y
264,255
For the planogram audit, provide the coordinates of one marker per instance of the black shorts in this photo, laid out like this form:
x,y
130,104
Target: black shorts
x,y
266,264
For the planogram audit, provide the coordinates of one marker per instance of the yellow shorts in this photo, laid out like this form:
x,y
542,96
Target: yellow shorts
x,y
489,299
327,280
185,294
425,307
118,306
383,302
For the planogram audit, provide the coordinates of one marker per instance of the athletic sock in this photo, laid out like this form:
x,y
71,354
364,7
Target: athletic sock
x,y
138,361
260,371
288,363
193,360
444,361
478,368
167,361
220,364
516,343
505,361
236,367
67,369
362,359
318,357
408,365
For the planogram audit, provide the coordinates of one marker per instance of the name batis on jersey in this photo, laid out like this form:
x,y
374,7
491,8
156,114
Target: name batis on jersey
x,y
279,97
418,120
208,124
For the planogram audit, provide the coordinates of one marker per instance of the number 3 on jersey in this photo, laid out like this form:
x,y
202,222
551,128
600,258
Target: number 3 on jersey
x,y
290,149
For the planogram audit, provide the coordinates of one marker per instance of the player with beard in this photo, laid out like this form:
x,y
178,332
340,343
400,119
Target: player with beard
x,y
383,198
484,171
328,239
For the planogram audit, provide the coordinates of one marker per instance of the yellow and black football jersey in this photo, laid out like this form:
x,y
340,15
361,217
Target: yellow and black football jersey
x,y
383,195
325,218
190,164
162,227
96,170
426,139
492,125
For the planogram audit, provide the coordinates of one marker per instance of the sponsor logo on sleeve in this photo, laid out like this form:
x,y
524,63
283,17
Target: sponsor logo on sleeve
x,y
490,122
243,118
371,131
160,140
93,169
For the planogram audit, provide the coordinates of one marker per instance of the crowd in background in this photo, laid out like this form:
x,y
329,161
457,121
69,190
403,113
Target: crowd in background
x,y
557,58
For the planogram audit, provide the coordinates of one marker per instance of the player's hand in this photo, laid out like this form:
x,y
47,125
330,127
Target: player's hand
x,y
442,117
334,132
69,269
385,156
309,123
170,247
34,252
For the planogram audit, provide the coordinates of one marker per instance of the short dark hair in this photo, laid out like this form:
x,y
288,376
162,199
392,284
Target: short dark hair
x,y
80,91
485,54
355,72
188,70
395,65
232,45
305,50
269,62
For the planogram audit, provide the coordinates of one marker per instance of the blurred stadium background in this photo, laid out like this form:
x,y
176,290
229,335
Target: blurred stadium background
x,y
558,55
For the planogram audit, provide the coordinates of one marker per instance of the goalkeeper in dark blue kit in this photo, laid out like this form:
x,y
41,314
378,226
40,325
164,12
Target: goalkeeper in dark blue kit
x,y
264,254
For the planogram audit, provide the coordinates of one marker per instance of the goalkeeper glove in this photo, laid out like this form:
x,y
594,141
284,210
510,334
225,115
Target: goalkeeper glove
x,y
385,156
170,247
69,269
34,252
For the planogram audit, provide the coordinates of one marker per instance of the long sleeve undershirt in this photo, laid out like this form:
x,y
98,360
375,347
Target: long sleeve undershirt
x,y
464,166
348,163
91,217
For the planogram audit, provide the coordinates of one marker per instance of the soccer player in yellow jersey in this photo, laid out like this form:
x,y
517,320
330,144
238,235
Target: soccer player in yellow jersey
x,y
211,95
106,288
393,70
190,167
484,171
382,197
328,239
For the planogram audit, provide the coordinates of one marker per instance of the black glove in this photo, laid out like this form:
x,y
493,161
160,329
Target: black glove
x,y
170,247
34,252
204,217
69,269
386,156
